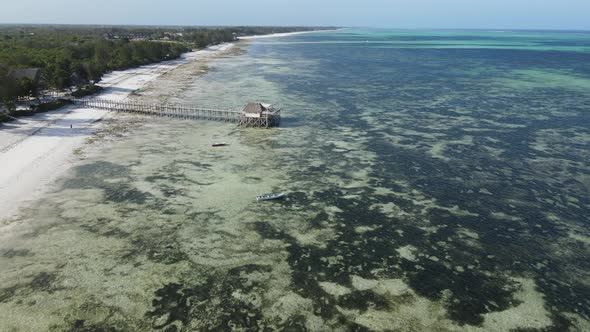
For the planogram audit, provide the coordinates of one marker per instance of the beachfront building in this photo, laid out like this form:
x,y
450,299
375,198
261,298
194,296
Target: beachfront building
x,y
34,74
28,82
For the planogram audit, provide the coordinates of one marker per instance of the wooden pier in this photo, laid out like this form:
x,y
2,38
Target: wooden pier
x,y
267,117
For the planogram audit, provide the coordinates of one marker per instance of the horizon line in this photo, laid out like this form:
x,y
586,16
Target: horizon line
x,y
288,26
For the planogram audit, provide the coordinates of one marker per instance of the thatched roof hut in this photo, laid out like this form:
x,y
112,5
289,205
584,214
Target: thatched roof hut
x,y
255,110
34,74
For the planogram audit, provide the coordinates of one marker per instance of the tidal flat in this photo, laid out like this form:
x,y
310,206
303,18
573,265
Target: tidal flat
x,y
428,188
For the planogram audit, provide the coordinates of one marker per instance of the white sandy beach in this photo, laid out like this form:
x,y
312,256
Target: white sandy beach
x,y
36,150
286,34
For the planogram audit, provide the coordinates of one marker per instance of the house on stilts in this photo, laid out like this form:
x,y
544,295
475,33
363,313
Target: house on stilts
x,y
259,115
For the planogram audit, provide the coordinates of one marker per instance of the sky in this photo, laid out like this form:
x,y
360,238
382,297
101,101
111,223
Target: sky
x,y
464,14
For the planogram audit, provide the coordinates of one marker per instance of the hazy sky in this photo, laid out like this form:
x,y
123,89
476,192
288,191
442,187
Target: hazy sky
x,y
534,14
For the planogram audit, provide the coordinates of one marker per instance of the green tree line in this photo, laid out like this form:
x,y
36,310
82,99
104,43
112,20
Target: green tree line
x,y
75,55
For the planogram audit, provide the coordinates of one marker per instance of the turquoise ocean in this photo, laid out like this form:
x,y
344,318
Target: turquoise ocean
x,y
435,180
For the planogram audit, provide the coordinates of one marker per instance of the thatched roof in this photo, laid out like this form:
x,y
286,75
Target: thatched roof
x,y
255,108
34,74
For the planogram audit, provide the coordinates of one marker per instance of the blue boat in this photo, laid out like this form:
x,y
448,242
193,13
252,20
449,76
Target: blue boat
x,y
268,197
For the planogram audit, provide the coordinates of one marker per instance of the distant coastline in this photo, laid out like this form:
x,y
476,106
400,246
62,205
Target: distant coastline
x,y
285,34
33,66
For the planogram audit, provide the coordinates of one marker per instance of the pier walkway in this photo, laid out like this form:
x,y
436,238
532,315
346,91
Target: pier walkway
x,y
267,118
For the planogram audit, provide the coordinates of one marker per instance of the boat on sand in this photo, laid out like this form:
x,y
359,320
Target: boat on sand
x,y
268,197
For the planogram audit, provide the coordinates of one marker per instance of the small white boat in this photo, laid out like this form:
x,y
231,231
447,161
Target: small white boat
x,y
218,144
268,197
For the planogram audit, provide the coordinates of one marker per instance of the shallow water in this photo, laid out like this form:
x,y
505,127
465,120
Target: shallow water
x,y
436,180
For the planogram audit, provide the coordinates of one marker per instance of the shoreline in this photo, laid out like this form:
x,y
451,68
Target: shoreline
x,y
35,151
285,34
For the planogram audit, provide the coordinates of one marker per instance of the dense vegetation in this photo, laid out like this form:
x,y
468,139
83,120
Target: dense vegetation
x,y
79,55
